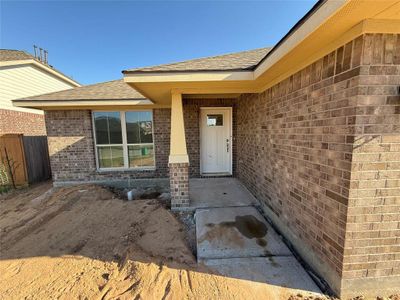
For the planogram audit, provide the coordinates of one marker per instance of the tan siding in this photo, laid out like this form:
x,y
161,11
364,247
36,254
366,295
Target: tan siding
x,y
26,80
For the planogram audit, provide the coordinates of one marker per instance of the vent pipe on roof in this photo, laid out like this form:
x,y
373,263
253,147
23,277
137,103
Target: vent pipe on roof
x,y
45,56
41,54
35,51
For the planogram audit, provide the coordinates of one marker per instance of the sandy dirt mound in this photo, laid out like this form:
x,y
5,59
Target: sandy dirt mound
x,y
84,243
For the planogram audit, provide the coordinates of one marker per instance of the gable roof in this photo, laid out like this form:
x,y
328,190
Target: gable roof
x,y
239,61
109,90
11,57
8,55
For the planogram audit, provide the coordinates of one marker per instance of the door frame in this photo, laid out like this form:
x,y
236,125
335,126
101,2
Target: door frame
x,y
230,110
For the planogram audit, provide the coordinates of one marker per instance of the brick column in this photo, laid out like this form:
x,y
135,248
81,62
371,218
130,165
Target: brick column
x,y
179,183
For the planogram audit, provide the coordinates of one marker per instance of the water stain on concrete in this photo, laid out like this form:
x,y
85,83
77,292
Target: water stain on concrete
x,y
261,242
273,262
248,225
220,234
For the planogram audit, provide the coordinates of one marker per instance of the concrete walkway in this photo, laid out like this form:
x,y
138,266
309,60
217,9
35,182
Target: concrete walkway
x,y
236,241
236,232
218,192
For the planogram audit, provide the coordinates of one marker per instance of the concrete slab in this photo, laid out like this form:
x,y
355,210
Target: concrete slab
x,y
218,192
285,272
236,232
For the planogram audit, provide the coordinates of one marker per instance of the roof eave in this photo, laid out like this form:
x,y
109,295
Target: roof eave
x,y
317,15
46,104
188,71
154,77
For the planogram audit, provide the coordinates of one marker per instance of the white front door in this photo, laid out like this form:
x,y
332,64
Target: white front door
x,y
216,140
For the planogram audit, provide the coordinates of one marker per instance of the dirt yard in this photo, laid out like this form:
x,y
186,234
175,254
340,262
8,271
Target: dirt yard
x,y
85,243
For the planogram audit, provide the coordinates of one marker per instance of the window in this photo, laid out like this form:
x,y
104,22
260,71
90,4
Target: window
x,y
215,120
124,139
139,132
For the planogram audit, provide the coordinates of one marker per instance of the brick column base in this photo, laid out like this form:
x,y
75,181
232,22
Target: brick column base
x,y
179,183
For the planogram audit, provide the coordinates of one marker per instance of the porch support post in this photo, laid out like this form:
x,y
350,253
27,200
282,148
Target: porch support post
x,y
178,158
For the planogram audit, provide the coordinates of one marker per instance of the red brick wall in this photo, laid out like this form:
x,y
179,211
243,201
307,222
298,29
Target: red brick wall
x,y
179,185
191,113
71,147
19,122
300,146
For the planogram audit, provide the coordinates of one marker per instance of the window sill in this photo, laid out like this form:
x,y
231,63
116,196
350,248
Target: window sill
x,y
126,170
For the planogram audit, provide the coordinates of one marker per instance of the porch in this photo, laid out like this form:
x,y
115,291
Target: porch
x,y
203,148
218,192
234,239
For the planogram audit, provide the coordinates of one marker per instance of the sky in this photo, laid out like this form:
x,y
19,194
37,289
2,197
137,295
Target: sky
x,y
93,41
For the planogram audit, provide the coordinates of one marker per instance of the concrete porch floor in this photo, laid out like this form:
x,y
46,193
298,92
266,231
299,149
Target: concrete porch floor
x,y
235,240
218,192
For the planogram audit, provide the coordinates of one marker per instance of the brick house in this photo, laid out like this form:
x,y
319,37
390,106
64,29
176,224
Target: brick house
x,y
311,127
23,75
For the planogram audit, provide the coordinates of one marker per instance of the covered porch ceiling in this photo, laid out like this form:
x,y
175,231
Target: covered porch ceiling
x,y
329,25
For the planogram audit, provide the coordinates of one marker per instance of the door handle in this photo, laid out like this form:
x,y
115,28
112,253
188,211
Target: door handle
x,y
227,145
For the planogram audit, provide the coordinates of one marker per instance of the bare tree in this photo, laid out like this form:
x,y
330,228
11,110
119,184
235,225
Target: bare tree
x,y
11,165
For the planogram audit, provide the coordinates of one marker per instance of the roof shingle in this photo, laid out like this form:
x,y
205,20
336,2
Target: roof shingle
x,y
239,61
118,89
110,90
8,55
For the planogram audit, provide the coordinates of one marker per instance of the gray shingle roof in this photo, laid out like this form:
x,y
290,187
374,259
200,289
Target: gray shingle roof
x,y
118,89
109,90
8,55
239,61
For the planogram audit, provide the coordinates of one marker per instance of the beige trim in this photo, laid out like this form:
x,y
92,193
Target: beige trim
x,y
211,96
78,103
380,26
178,159
205,91
366,26
178,151
332,25
313,22
189,76
103,107
41,66
284,68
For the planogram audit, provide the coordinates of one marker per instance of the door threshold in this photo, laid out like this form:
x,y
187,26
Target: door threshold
x,y
211,175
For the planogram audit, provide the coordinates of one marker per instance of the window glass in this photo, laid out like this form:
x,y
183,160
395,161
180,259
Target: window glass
x,y
110,156
215,120
146,127
101,126
108,128
141,156
132,127
137,144
139,127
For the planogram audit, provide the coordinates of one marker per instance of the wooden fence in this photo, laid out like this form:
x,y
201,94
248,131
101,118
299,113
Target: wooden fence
x,y
37,158
23,159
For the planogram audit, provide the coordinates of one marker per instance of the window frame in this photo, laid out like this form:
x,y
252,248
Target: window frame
x,y
124,142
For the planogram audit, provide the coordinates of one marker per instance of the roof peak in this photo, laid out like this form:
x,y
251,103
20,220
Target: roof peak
x,y
249,58
14,57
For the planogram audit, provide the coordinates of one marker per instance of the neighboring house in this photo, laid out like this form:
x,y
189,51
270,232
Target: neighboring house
x,y
311,128
22,75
